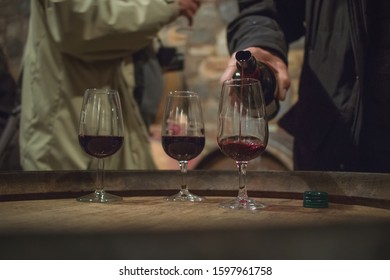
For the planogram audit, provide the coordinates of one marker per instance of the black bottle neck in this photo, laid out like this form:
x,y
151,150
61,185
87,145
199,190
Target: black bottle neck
x,y
245,62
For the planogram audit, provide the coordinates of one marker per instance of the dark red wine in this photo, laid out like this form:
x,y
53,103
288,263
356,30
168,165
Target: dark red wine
x,y
100,146
183,147
244,148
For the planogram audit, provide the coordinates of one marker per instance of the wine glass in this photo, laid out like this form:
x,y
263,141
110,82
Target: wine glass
x,y
100,134
183,135
242,131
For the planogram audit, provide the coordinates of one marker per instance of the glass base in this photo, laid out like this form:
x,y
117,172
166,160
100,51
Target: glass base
x,y
240,203
185,195
100,197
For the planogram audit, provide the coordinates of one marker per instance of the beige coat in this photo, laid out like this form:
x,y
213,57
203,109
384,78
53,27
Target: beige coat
x,y
79,44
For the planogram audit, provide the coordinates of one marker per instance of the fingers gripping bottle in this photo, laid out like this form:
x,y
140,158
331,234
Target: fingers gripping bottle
x,y
249,67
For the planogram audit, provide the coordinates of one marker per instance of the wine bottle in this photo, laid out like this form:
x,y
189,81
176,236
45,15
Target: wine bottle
x,y
249,67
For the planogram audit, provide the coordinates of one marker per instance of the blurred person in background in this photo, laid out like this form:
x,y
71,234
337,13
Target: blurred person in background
x,y
9,117
75,45
341,121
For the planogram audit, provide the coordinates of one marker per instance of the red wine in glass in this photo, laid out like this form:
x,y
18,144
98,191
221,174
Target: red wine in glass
x,y
183,135
100,146
100,134
183,147
241,148
242,131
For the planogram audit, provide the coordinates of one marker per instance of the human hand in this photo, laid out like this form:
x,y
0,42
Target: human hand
x,y
278,65
188,8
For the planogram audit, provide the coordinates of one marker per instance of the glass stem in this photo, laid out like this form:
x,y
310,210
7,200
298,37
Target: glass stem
x,y
183,164
242,192
100,175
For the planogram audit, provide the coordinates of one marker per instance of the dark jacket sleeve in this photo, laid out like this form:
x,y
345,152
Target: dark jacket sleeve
x,y
263,23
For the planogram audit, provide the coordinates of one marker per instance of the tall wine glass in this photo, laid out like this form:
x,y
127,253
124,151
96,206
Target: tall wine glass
x,y
100,134
242,132
183,135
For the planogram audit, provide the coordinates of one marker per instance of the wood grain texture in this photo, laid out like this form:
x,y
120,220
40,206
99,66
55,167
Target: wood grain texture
x,y
156,214
345,188
40,218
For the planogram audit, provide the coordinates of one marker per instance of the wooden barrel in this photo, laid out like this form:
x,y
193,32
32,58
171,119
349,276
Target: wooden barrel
x,y
40,218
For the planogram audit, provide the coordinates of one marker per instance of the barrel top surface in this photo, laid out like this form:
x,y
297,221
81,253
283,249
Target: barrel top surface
x,y
157,214
345,188
41,219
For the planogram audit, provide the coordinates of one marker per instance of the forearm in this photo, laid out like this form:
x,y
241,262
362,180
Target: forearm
x,y
257,26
